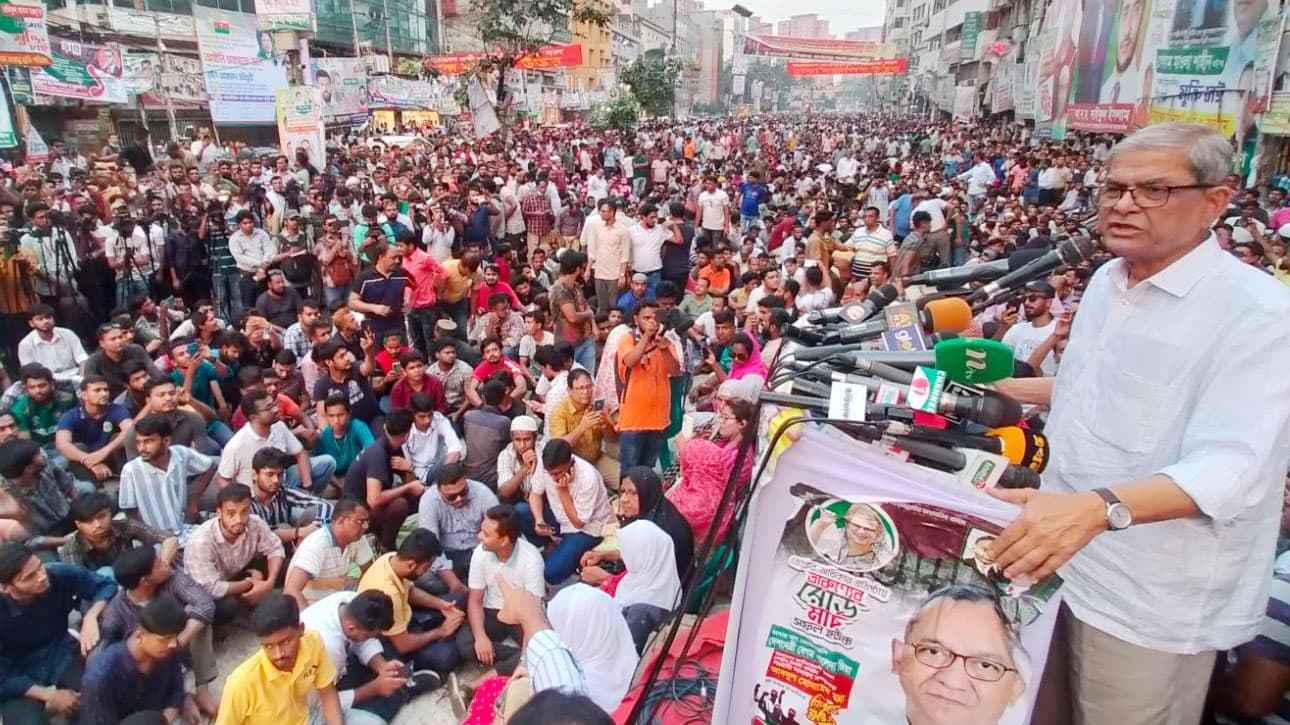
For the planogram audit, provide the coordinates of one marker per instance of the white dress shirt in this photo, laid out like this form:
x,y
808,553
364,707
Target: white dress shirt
x,y
1181,375
62,353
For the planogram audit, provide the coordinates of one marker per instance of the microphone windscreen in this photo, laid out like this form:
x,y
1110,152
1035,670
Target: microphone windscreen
x,y
1025,448
995,410
1018,477
974,360
951,314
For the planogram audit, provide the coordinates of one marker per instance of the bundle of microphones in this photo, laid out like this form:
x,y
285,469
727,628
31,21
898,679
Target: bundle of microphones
x,y
900,376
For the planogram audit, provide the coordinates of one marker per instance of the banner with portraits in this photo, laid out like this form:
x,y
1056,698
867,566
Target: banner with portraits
x,y
182,80
300,123
866,594
244,70
343,82
1117,65
84,71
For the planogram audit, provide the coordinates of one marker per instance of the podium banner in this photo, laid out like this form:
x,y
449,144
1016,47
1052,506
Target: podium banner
x,y
866,594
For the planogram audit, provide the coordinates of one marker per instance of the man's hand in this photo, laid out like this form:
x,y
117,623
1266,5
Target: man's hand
x,y
89,635
415,488
64,702
1052,527
400,464
390,679
101,471
528,459
452,621
304,531
590,558
484,651
381,310
366,341
259,588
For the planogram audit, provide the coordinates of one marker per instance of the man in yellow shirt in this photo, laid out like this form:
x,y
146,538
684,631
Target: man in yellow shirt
x,y
456,287
424,625
272,686
585,425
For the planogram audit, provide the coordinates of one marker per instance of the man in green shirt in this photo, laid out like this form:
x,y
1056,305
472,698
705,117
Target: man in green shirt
x,y
343,438
40,406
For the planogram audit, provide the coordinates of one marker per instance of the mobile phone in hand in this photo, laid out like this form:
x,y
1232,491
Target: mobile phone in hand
x,y
598,406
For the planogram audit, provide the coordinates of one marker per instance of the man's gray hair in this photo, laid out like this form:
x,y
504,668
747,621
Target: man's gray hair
x,y
1209,155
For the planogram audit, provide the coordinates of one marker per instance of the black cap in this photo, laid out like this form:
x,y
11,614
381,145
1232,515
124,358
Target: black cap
x,y
1042,288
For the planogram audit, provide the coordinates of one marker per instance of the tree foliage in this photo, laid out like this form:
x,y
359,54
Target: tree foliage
x,y
653,80
512,28
620,113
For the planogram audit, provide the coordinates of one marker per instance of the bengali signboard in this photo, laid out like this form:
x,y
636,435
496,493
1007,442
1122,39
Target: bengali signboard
x,y
783,46
867,67
971,30
1276,120
853,587
243,68
551,56
300,122
24,33
343,82
1191,86
84,71
285,15
180,79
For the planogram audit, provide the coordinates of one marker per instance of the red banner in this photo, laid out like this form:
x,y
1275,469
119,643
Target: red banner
x,y
551,56
868,67
1100,117
784,46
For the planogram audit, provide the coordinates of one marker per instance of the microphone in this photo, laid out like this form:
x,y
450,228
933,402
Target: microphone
x,y
950,313
803,335
971,361
989,408
968,273
984,469
1069,252
1022,447
856,311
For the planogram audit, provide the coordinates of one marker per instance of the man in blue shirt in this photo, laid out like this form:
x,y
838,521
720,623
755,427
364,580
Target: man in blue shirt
x,y
901,209
140,680
752,194
91,436
40,663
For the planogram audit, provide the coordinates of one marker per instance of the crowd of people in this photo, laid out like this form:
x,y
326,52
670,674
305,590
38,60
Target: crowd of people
x,y
403,409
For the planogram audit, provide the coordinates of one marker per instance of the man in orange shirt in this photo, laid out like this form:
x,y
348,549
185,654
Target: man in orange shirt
x,y
646,362
718,272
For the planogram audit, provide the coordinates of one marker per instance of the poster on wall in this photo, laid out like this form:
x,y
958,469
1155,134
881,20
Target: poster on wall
x,y
242,66
84,71
300,122
24,36
343,82
394,92
8,138
879,581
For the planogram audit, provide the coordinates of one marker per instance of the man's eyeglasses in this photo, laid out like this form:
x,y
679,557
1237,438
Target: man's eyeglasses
x,y
1147,196
939,657
454,497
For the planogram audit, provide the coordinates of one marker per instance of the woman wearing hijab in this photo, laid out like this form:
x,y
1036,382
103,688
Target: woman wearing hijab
x,y
651,585
706,467
745,358
592,625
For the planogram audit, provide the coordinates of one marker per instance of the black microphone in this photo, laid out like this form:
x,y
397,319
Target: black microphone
x,y
856,312
954,461
804,335
1069,252
968,273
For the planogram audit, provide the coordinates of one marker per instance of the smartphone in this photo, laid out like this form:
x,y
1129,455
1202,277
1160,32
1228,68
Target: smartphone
x,y
192,348
598,406
396,367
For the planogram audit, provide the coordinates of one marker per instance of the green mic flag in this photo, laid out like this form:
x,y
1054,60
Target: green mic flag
x,y
974,360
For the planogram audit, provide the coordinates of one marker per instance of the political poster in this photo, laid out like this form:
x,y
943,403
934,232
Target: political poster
x,y
84,71
1271,34
970,32
37,149
545,58
285,15
242,66
300,122
1276,120
395,92
24,33
141,71
482,113
783,46
964,102
8,138
1026,91
343,82
880,66
177,76
866,591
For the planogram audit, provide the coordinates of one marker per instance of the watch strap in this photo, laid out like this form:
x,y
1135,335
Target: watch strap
x,y
1110,498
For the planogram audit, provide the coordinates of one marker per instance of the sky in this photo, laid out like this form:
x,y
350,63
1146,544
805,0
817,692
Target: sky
x,y
843,15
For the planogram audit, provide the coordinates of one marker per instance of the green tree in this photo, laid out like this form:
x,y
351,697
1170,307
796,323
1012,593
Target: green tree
x,y
512,29
653,80
620,113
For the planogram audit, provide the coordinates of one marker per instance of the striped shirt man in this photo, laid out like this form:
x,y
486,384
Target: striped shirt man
x,y
159,496
283,506
870,246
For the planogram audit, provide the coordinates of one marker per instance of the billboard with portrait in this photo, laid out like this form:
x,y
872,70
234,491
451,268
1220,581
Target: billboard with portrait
x,y
85,71
243,68
343,82
885,606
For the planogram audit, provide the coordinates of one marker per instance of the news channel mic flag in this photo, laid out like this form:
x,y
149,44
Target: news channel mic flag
x,y
1169,444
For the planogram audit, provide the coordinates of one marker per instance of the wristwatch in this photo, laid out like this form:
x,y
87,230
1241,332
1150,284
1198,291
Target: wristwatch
x,y
1118,516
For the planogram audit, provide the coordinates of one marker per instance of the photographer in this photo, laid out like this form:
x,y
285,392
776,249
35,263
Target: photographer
x,y
55,270
187,270
96,280
212,229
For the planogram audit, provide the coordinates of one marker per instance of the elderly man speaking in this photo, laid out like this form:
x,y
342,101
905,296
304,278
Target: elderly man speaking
x,y
1169,439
